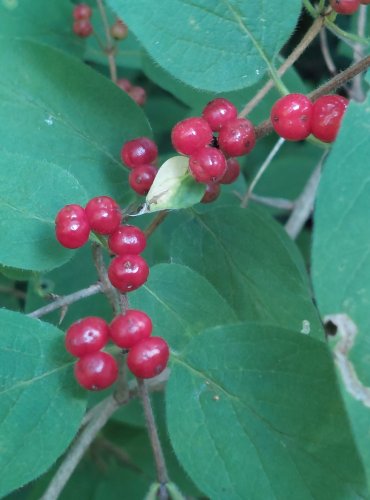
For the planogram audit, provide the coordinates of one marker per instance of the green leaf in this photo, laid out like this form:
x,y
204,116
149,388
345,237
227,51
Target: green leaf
x,y
252,263
341,260
71,116
28,207
41,21
41,406
174,187
219,46
248,429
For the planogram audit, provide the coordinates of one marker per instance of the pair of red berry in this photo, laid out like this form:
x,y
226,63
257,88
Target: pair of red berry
x,y
347,7
136,93
139,155
82,26
97,370
294,117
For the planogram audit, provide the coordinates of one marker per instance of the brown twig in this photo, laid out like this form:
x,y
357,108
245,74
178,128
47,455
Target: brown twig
x,y
108,289
159,218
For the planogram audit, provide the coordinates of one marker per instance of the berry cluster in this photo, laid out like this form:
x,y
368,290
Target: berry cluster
x,y
347,7
82,26
294,117
136,93
96,369
139,155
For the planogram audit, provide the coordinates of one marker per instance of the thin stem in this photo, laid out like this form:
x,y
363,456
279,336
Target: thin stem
x,y
109,50
261,171
19,294
297,52
108,289
280,203
304,203
77,450
159,218
344,34
67,300
357,92
326,52
160,463
310,8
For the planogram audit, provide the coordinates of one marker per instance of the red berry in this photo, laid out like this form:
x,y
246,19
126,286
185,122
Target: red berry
x,y
207,164
86,336
119,30
212,193
218,112
327,114
138,94
128,329
127,240
128,272
140,151
232,171
82,11
291,117
124,84
96,371
104,214
345,6
237,137
141,179
191,134
72,228
82,28
148,357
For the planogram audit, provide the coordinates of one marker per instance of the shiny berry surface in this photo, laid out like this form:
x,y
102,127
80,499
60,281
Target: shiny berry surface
x,y
104,214
128,329
291,117
127,240
207,164
232,171
212,192
82,28
191,134
96,371
140,151
128,272
82,11
141,179
149,357
346,7
327,115
86,336
124,84
138,94
72,228
218,112
237,137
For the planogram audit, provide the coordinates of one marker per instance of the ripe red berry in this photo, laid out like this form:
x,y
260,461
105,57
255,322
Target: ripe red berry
x,y
82,11
128,329
96,371
104,214
345,6
128,272
237,137
207,164
138,94
72,228
119,30
86,336
232,172
218,112
327,114
140,151
291,117
141,178
148,357
127,240
191,134
212,192
124,84
82,28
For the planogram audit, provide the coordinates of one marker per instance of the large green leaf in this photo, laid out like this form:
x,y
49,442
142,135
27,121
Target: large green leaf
x,y
42,21
61,111
252,263
254,412
218,46
41,406
31,193
341,256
